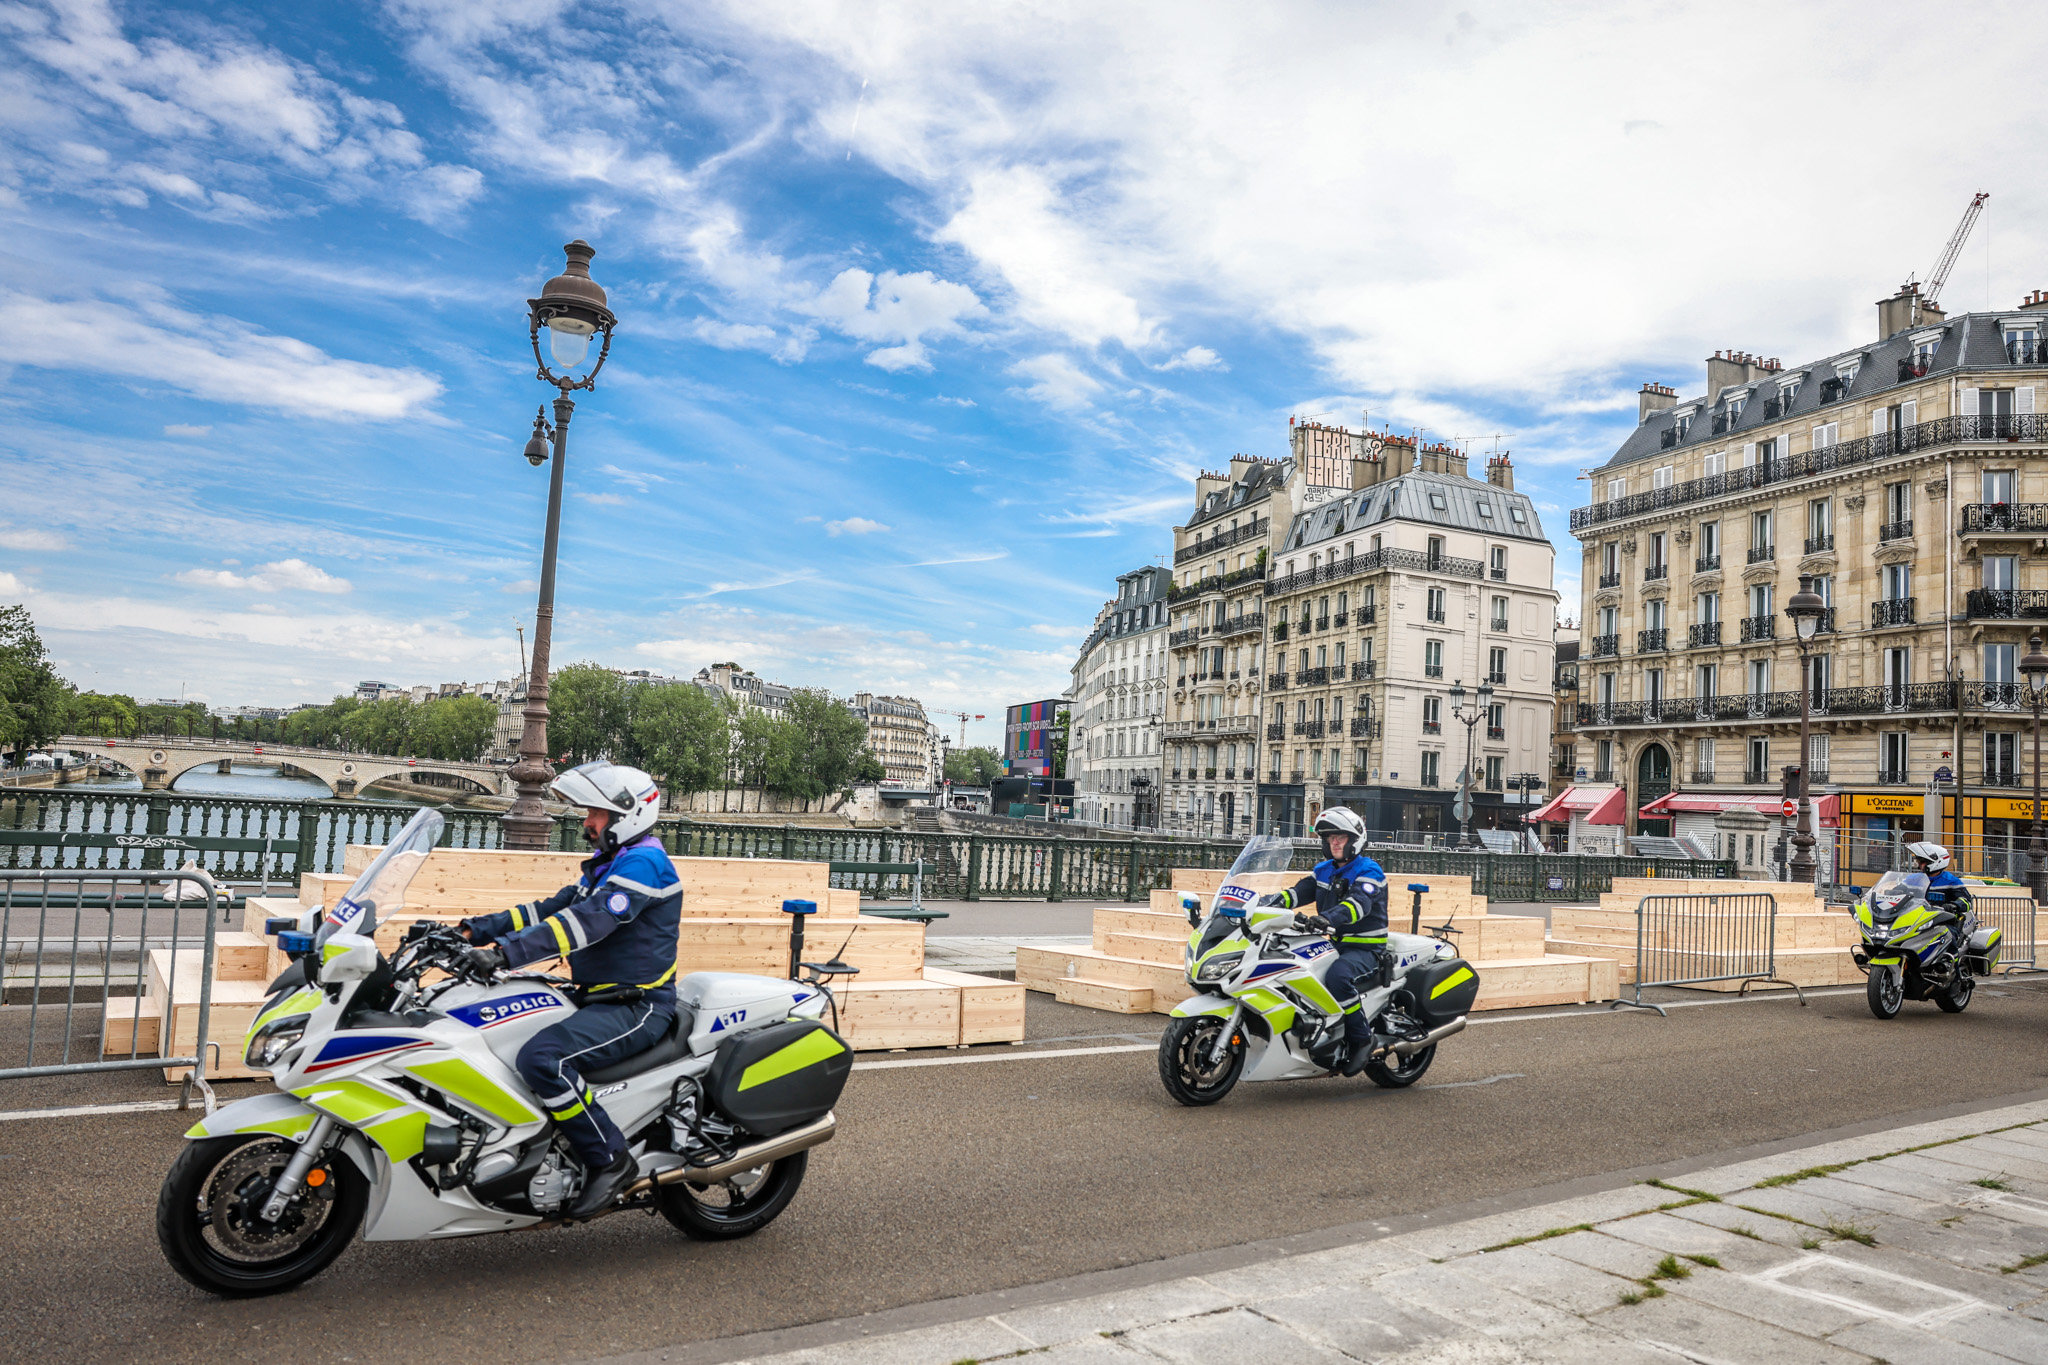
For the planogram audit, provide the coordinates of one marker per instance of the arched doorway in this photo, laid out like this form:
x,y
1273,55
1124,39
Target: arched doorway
x,y
1653,779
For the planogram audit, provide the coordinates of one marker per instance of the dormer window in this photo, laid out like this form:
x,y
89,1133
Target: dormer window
x,y
2023,344
1485,509
1681,423
1845,370
1517,515
1436,502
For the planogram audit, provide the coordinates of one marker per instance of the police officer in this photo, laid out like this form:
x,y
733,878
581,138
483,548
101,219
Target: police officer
x,y
1349,891
1944,887
617,928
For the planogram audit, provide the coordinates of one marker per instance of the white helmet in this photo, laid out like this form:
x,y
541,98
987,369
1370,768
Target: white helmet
x,y
628,793
1932,858
1341,820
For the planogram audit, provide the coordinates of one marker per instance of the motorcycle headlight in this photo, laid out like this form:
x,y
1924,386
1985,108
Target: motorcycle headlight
x,y
275,1039
1216,968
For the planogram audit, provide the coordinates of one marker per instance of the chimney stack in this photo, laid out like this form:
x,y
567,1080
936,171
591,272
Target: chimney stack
x,y
2036,301
1367,470
1654,398
1905,309
1432,459
1735,367
1454,462
1500,472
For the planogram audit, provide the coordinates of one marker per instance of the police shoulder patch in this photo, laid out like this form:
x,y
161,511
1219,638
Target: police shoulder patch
x,y
618,903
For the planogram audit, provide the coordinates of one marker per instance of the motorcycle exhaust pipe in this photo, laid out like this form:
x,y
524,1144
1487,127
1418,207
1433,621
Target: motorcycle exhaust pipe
x,y
810,1135
1410,1046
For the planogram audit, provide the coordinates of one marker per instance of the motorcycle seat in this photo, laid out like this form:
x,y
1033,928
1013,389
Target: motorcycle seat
x,y
672,1048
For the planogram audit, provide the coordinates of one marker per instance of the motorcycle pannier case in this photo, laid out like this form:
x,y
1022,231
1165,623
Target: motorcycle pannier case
x,y
1444,990
1983,952
779,1077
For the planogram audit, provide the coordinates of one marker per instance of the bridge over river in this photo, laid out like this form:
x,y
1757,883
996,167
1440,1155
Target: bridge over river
x,y
159,761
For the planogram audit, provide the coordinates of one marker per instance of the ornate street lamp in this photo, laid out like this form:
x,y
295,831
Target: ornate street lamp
x,y
2035,666
1458,713
1805,609
571,310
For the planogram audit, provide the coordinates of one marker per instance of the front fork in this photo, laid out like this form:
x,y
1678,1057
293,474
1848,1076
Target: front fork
x,y
1219,1049
294,1176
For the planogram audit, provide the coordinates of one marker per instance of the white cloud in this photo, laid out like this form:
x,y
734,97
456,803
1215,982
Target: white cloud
x,y
524,585
1194,358
854,526
638,479
186,430
1057,381
604,499
953,402
10,586
891,307
284,575
217,358
31,538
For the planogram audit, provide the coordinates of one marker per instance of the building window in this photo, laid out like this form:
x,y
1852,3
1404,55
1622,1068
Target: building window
x,y
1500,613
1998,572
1496,666
1430,769
1706,682
1433,712
1433,658
1703,760
2001,759
1500,559
1494,775
1710,540
1891,760
1437,604
1898,502
1999,484
1759,759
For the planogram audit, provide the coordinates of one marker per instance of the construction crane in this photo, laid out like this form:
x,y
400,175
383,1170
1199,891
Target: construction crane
x,y
963,718
1937,277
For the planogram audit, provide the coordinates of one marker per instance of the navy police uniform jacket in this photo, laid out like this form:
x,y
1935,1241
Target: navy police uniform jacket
x,y
616,926
1353,897
1949,891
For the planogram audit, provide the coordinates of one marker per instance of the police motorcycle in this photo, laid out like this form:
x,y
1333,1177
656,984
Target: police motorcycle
x,y
1916,951
1262,1009
398,1108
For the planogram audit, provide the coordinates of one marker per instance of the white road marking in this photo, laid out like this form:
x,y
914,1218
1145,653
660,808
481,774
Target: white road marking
x,y
1013,1055
79,1111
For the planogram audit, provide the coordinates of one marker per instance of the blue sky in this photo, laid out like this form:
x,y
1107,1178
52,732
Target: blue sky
x,y
929,313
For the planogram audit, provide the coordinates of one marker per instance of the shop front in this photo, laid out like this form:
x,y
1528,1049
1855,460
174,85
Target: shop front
x,y
1748,830
1596,817
1875,828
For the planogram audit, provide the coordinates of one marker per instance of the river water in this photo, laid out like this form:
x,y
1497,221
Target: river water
x,y
247,779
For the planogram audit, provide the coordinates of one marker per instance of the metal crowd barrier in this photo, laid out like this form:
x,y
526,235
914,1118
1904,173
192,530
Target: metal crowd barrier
x,y
73,952
2015,915
1693,940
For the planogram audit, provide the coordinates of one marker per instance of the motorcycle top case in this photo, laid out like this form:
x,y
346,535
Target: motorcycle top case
x,y
1443,990
777,1078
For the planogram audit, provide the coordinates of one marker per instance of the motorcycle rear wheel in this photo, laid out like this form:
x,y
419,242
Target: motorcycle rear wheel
x,y
1181,1069
206,1226
1405,1071
738,1207
1956,998
1886,992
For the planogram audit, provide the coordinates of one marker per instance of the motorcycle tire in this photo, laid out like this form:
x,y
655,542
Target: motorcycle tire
x,y
1956,998
204,1222
736,1208
1886,992
1182,1074
1406,1071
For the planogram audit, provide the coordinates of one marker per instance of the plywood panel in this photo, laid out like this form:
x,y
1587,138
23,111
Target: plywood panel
x,y
1143,947
1103,995
130,1025
1534,981
991,1009
895,1014
1115,919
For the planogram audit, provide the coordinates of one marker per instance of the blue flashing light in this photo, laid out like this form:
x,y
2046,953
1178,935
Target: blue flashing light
x,y
294,943
799,907
1418,886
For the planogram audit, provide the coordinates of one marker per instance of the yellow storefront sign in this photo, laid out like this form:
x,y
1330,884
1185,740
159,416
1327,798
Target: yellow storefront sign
x,y
1884,805
2004,808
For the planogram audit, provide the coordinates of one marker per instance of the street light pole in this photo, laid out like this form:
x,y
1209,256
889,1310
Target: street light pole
x,y
1458,713
1805,609
571,309
2035,668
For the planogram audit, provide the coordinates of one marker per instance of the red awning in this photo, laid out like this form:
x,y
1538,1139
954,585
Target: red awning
x,y
1826,809
1600,806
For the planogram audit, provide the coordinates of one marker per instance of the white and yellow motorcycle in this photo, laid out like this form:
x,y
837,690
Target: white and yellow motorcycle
x,y
1263,1011
398,1108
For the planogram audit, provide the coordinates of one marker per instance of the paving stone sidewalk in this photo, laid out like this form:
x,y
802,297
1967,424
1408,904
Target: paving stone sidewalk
x,y
1919,1244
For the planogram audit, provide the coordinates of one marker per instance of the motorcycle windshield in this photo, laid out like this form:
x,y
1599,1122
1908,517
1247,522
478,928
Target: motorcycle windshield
x,y
1261,853
381,888
1895,891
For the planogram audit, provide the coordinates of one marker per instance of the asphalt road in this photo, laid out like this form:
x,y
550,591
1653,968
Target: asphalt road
x,y
955,1179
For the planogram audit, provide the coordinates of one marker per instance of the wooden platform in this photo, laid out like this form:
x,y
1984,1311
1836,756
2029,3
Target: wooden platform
x,y
171,986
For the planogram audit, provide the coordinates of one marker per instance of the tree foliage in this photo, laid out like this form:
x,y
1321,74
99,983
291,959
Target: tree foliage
x,y
679,734
589,713
976,767
32,696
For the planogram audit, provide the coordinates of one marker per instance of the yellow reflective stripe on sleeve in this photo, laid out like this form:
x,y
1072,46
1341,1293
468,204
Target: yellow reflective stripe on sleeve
x,y
522,918
1459,977
561,935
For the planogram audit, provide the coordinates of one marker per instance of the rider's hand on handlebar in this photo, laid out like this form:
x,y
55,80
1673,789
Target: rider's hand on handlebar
x,y
1316,923
484,962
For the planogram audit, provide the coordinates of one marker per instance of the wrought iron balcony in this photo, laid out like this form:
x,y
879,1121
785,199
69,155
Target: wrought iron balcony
x,y
1375,561
2005,777
1565,679
2015,697
1296,777
1322,623
1819,545
1251,623
1605,647
2005,516
1430,779
1892,611
1308,729
1496,732
1756,776
1882,699
1706,564
1895,530
1755,628
1497,679
1274,680
1363,669
1360,776
1497,575
1364,727
1209,773
1277,730
1603,775
1181,638
1761,554
1368,614
1251,573
1312,677
1817,772
1221,540
1650,641
1611,579
1230,774
1432,727
1494,784
2007,604
1341,619
1280,631
1432,670
1499,624
1436,614
1702,777
1892,777
1826,625
1656,573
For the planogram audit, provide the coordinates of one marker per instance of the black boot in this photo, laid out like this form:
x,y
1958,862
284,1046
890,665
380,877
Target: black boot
x,y
600,1187
1356,1056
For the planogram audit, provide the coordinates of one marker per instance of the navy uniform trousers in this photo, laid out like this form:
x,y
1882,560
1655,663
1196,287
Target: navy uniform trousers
x,y
555,1060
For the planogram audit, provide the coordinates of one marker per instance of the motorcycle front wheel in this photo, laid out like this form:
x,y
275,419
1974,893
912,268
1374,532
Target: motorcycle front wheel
x,y
1184,1066
1956,998
1404,1071
208,1215
1886,991
737,1207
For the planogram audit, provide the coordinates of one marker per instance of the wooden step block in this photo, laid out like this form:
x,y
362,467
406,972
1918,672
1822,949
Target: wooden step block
x,y
891,1014
1144,947
1103,995
1537,981
1152,921
991,1009
1040,968
128,1024
173,987
1487,937
240,956
1624,959
323,888
1205,882
1164,903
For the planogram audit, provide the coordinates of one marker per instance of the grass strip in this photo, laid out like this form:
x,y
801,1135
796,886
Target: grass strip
x,y
1811,1172
1537,1237
2025,1263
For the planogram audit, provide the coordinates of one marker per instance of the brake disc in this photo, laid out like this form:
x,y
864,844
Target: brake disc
x,y
236,1193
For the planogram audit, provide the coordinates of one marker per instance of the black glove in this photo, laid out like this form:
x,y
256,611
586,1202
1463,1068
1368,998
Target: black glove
x,y
484,963
473,929
1317,923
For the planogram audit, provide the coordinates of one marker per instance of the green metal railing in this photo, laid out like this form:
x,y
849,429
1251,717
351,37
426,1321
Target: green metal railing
x,y
249,840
